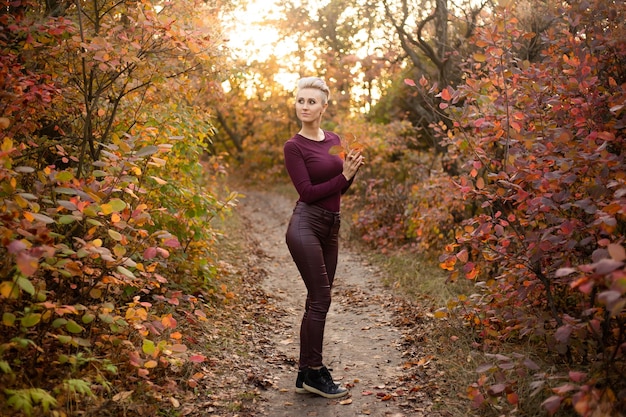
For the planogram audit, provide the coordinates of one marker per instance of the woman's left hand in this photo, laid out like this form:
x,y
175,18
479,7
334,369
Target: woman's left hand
x,y
354,160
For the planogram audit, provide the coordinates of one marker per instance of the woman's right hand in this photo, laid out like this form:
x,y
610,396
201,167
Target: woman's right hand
x,y
352,163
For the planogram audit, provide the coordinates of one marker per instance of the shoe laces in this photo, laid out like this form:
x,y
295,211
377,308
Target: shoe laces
x,y
325,374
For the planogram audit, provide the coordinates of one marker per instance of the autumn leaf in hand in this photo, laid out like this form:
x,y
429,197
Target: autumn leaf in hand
x,y
346,146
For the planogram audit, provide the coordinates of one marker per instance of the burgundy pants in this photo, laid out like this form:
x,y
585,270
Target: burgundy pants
x,y
313,241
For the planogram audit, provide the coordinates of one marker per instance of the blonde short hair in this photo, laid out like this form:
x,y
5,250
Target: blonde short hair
x,y
315,83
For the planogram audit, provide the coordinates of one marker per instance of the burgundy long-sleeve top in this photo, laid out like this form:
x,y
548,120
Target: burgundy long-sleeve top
x,y
315,172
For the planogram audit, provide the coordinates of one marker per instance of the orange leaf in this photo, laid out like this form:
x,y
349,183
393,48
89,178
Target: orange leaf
x,y
169,322
336,150
27,264
445,94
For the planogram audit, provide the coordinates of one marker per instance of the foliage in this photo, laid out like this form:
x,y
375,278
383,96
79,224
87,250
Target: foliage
x,y
400,199
542,144
106,237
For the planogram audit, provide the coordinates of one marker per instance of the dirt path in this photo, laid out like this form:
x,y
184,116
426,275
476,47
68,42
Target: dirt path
x,y
362,346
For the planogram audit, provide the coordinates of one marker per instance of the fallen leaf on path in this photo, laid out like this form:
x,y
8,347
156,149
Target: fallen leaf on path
x,y
346,401
121,396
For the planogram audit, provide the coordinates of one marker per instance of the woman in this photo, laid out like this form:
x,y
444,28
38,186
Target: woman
x,y
320,177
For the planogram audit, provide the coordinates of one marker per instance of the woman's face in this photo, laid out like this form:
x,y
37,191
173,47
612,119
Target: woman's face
x,y
310,104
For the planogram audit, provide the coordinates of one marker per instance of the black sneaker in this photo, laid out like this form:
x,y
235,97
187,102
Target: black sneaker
x,y
319,381
300,379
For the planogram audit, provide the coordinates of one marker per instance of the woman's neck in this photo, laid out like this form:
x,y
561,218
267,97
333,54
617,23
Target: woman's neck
x,y
312,132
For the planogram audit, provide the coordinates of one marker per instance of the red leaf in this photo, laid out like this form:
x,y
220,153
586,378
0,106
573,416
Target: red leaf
x,y
197,358
172,243
577,376
552,404
150,253
606,266
409,81
563,333
496,389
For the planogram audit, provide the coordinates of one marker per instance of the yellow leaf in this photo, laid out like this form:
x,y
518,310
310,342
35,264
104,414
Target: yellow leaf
x,y
95,293
106,209
150,364
7,145
439,314
159,180
9,289
480,57
21,201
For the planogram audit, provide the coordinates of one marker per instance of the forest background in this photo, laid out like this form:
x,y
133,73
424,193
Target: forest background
x,y
494,135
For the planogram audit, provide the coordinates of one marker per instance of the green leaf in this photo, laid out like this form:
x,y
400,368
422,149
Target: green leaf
x,y
88,318
148,150
73,327
115,235
20,400
5,367
8,319
25,285
94,222
44,398
125,272
30,319
65,190
79,386
64,176
148,347
58,322
113,206
67,219
106,318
